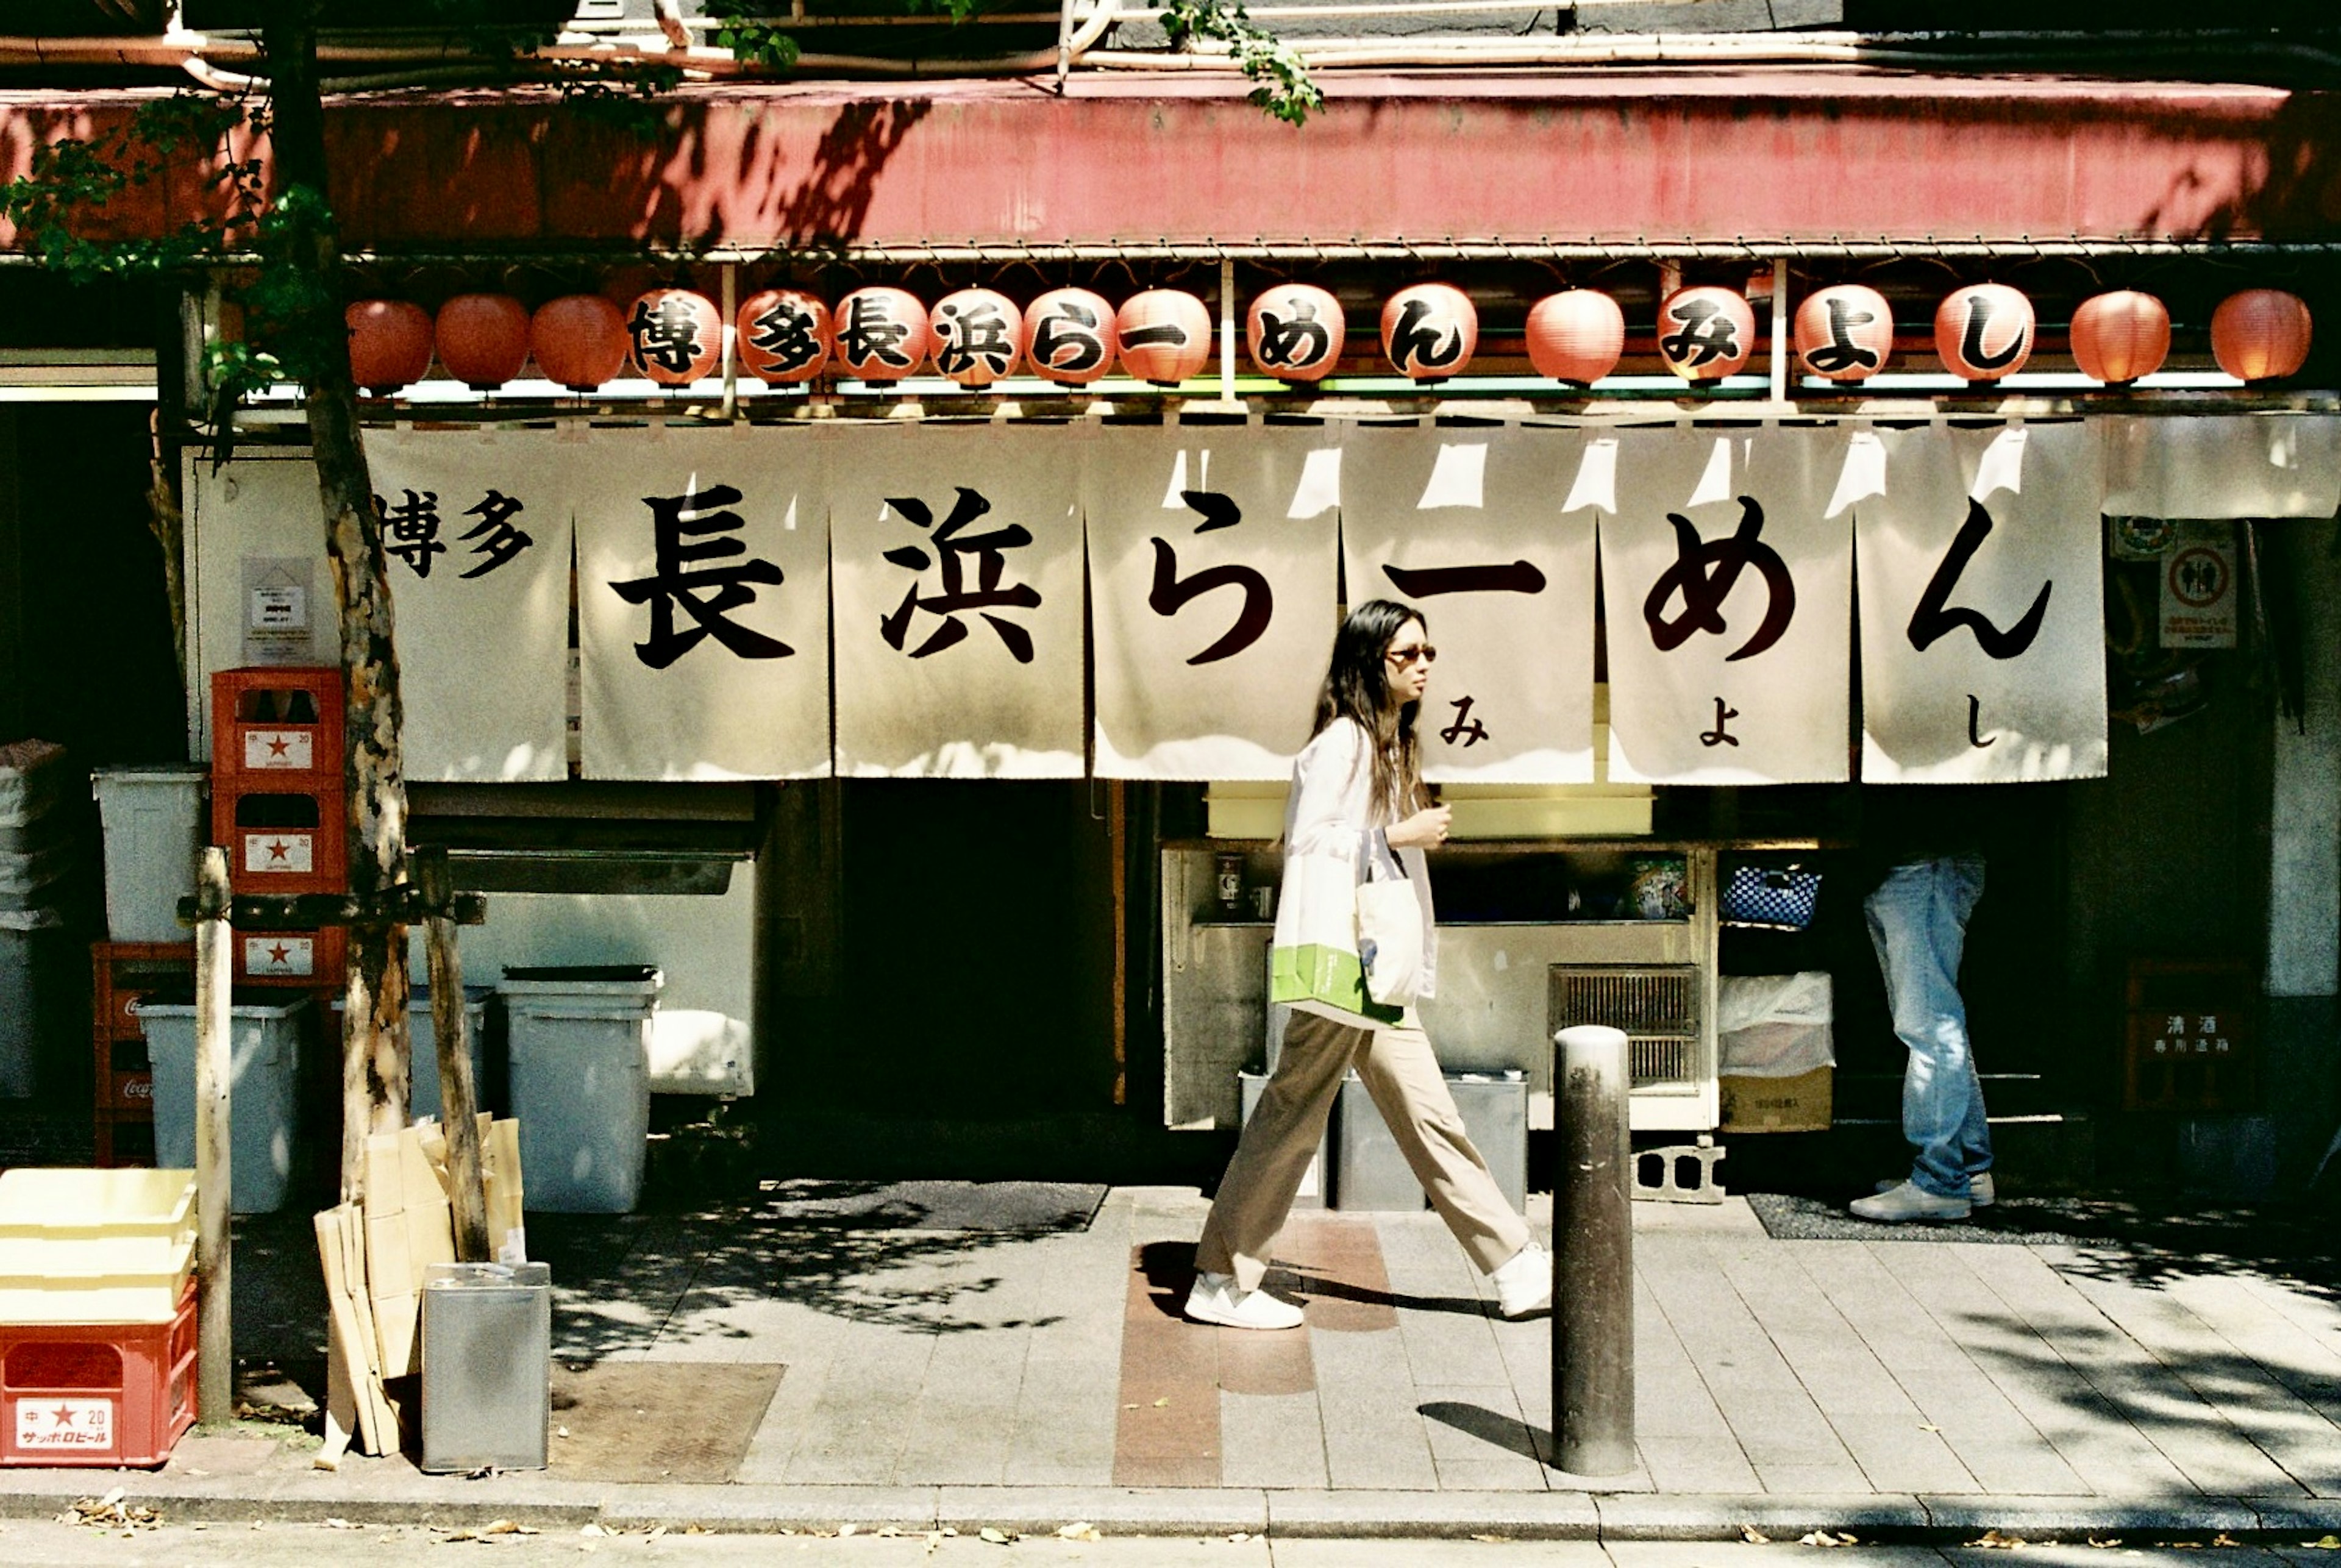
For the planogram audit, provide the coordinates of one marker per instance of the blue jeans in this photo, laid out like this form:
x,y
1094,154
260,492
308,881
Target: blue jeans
x,y
1918,921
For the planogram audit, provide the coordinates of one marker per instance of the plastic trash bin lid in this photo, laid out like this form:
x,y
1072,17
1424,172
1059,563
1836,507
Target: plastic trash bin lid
x,y
584,980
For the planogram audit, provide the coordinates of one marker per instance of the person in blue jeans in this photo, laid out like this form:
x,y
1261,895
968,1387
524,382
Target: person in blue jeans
x,y
1918,924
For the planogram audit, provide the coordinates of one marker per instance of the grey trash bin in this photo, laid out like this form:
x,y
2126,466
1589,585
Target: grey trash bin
x,y
577,1042
422,1045
487,1366
153,824
264,1098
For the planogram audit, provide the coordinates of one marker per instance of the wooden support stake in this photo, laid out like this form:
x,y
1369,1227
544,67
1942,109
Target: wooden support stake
x,y
458,1097
215,1055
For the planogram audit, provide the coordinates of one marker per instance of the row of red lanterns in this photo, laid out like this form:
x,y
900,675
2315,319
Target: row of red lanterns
x,y
1295,333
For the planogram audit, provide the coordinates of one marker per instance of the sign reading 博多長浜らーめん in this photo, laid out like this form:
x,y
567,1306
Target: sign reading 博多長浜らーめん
x,y
1158,602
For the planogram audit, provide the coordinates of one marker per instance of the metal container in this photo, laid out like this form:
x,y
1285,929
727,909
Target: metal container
x,y
487,1366
1315,1182
1370,1173
1495,1111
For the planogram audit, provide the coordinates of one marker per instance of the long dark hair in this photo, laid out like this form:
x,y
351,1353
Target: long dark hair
x,y
1357,687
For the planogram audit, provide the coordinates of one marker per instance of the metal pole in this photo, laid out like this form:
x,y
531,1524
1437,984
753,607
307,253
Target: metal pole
x,y
214,1052
1593,1239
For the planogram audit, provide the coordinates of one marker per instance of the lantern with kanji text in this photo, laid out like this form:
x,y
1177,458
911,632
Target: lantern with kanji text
x,y
1704,331
579,341
2260,334
482,338
784,336
1984,332
881,333
1295,332
2119,336
677,334
979,336
1070,336
1429,331
1845,332
1166,336
390,343
1576,335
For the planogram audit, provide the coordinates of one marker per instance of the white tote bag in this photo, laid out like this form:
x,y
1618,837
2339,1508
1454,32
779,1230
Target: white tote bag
x,y
1390,929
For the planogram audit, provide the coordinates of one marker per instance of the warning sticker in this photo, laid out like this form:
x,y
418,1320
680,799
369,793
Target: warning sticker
x,y
53,1425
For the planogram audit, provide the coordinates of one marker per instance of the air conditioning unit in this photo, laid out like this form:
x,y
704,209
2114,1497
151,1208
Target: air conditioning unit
x,y
1657,1005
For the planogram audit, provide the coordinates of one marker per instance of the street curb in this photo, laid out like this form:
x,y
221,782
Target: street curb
x,y
548,1504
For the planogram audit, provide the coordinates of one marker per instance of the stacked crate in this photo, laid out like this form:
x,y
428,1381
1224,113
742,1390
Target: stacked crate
x,y
279,808
124,973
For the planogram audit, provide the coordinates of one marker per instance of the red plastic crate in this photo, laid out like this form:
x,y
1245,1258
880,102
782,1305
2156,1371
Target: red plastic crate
x,y
276,724
282,836
309,960
97,1394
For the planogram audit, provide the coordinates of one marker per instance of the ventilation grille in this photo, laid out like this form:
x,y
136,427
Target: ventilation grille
x,y
1656,1004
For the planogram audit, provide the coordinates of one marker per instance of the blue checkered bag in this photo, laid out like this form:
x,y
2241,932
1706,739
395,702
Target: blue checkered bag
x,y
1775,898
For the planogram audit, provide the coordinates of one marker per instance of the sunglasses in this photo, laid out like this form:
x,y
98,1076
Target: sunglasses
x,y
1420,653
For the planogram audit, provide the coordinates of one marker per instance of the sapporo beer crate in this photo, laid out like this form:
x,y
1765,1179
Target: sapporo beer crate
x,y
304,960
2191,1045
276,727
285,837
97,1394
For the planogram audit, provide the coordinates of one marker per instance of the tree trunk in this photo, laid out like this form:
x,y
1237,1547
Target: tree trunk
x,y
374,1052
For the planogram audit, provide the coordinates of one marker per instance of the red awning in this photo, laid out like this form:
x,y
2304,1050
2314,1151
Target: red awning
x,y
1613,157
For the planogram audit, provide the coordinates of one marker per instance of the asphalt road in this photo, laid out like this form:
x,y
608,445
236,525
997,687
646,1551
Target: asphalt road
x,y
66,1545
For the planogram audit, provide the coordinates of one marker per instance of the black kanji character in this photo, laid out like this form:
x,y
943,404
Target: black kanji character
x,y
1429,581
1066,338
871,333
499,540
1416,347
1707,334
1171,593
665,334
1705,572
971,333
1931,620
784,334
956,596
413,525
1841,352
1468,729
679,578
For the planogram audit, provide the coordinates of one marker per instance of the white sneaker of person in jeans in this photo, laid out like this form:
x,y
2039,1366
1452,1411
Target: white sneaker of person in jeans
x,y
1917,922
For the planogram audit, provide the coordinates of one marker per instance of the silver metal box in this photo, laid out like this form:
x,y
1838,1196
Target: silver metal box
x,y
1318,1179
487,1366
1370,1174
1495,1111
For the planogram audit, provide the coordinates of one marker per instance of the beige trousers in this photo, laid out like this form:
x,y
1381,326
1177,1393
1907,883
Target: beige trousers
x,y
1402,1075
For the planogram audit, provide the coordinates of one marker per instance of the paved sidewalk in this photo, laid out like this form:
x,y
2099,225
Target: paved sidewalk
x,y
964,1377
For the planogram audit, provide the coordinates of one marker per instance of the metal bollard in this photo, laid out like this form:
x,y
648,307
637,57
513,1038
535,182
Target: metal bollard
x,y
1593,1242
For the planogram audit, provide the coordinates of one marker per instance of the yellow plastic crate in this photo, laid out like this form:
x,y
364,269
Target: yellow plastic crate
x,y
111,1279
72,1205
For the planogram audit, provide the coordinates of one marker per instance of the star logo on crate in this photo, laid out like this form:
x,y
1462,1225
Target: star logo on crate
x,y
64,1414
278,746
279,952
278,849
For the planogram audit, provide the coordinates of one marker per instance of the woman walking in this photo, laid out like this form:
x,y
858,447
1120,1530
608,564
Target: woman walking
x,y
1357,795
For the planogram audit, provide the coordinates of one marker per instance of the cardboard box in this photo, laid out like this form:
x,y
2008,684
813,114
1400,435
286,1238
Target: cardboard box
x,y
1797,1104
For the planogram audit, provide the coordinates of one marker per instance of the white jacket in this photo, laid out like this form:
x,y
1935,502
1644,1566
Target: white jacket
x,y
1330,812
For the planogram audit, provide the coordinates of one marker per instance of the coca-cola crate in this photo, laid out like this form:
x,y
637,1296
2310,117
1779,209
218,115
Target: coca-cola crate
x,y
97,1394
276,724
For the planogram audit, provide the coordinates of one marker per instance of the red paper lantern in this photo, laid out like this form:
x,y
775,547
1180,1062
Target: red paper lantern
x,y
390,343
1166,336
979,336
784,336
2260,334
1295,332
1576,335
2120,337
881,333
482,338
1984,332
1845,332
677,336
579,341
1070,336
1429,331
1706,333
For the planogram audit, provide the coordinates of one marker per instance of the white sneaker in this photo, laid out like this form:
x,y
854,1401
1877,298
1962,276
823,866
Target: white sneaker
x,y
1216,1300
1524,1284
1980,1193
1903,1201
